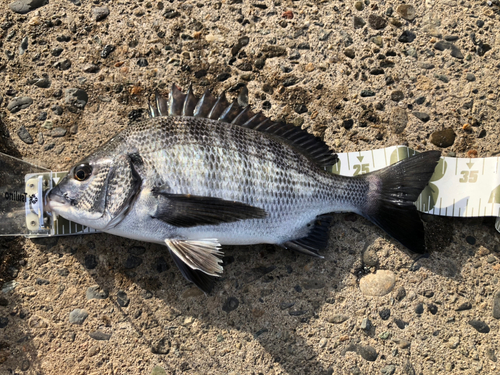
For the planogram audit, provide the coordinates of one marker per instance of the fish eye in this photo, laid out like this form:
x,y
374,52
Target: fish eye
x,y
82,172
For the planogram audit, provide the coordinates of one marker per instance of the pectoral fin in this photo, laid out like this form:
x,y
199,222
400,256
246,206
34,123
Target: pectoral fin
x,y
192,210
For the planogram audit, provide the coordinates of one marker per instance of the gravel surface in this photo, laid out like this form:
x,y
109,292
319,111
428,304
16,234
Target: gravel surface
x,y
361,75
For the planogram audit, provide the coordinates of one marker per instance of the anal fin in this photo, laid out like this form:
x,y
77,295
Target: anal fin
x,y
203,255
199,278
316,240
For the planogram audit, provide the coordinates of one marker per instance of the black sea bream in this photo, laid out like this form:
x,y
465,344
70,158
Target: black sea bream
x,y
204,173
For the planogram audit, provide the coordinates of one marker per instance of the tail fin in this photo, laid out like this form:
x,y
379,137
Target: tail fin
x,y
393,190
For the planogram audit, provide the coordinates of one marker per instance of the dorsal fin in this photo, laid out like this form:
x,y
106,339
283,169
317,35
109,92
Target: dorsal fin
x,y
238,113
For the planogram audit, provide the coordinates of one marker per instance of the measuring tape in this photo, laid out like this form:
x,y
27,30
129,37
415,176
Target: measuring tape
x,y
459,187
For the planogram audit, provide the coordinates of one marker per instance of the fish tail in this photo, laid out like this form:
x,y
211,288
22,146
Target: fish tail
x,y
391,196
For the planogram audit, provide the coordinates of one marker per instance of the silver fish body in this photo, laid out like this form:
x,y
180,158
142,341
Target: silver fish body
x,y
195,183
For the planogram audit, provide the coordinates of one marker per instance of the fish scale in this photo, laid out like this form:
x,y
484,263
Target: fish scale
x,y
196,183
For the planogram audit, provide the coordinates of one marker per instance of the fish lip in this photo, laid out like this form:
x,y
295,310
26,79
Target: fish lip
x,y
55,198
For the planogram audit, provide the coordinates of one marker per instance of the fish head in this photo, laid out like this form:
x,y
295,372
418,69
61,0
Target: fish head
x,y
97,192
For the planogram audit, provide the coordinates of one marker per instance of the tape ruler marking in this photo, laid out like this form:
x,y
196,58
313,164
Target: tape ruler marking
x,y
459,187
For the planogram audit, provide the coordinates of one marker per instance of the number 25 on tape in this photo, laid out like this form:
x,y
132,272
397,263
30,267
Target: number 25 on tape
x,y
468,176
360,168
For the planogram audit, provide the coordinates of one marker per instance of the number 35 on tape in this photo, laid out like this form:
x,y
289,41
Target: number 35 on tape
x,y
459,187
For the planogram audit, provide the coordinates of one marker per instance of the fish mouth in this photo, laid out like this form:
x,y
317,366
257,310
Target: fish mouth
x,y
56,199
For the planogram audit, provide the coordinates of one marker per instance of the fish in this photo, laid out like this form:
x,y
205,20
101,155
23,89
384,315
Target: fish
x,y
201,173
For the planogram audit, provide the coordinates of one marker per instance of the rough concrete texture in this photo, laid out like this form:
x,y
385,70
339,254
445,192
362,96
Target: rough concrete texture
x,y
361,75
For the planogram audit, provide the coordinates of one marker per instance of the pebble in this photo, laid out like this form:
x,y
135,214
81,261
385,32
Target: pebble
x,y
401,323
403,344
91,68
384,335
420,100
464,306
480,326
3,321
422,116
25,6
99,335
443,138
398,120
78,316
132,262
419,309
496,305
366,93
100,13
337,318
470,240
388,370
406,11
106,51
76,97
366,324
324,35
3,301
122,298
427,66
294,55
56,51
397,95
367,352
370,257
90,261
347,124
385,314
43,83
470,77
433,309
349,52
23,47
63,64
58,132
400,293
223,76
230,304
377,22
57,109
19,103
455,51
24,135
453,342
407,36
157,370
358,22
379,283
96,292
359,5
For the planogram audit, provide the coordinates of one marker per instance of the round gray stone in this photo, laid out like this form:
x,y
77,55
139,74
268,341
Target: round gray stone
x,y
78,316
25,6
